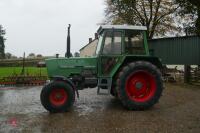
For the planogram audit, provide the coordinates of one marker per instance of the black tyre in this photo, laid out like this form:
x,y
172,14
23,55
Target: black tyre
x,y
139,85
57,96
113,92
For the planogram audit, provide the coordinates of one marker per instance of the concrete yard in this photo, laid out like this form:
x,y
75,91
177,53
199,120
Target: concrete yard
x,y
177,111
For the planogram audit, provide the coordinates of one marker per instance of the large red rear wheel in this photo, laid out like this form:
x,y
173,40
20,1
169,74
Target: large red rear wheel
x,y
139,85
57,96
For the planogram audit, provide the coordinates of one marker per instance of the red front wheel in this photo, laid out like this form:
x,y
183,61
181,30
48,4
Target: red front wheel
x,y
57,96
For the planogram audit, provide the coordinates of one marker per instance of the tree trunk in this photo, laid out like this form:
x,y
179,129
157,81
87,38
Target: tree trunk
x,y
198,22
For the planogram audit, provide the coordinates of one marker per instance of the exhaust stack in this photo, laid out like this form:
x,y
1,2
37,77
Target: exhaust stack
x,y
68,53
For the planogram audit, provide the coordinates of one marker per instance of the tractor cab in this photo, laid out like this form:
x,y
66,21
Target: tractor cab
x,y
122,39
116,42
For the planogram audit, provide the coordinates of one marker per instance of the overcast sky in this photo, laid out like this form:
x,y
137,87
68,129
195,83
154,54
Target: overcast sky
x,y
40,26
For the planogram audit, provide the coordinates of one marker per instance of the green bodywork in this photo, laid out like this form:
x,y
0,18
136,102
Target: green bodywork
x,y
75,66
70,66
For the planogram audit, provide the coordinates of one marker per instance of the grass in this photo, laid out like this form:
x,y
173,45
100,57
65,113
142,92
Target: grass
x,y
8,71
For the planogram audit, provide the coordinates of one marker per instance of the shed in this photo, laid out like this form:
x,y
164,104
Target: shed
x,y
176,50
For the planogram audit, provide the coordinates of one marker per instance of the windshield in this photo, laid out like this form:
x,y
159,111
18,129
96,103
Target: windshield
x,y
99,45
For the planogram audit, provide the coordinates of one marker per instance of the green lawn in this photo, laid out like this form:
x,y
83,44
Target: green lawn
x,y
8,71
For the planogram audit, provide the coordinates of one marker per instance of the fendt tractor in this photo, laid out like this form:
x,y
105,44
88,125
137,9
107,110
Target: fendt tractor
x,y
121,66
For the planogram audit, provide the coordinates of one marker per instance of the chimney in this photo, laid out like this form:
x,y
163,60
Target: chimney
x,y
95,36
90,40
57,55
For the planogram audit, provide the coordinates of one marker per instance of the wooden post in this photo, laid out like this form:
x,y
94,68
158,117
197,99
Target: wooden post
x,y
187,73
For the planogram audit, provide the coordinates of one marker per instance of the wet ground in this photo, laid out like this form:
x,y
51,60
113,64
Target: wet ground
x,y
177,111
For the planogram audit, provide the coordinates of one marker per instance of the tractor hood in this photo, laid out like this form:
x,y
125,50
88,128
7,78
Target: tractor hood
x,y
70,66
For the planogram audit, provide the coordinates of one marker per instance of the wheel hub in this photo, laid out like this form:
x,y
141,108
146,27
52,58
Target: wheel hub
x,y
58,97
138,85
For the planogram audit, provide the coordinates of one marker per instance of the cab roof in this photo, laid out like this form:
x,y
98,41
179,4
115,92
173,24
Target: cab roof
x,y
121,27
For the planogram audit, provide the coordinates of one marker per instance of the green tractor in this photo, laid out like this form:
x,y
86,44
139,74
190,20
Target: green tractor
x,y
121,67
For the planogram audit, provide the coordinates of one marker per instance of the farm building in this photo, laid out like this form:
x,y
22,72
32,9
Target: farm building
x,y
89,49
176,50
179,51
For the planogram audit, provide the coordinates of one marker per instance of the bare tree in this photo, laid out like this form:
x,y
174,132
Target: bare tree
x,y
190,11
157,15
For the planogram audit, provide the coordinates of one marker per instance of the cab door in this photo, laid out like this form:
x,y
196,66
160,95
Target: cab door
x,y
111,52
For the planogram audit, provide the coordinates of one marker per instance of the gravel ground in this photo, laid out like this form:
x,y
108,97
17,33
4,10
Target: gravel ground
x,y
177,111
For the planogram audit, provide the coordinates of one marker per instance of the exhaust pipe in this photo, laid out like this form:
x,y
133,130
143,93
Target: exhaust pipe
x,y
68,53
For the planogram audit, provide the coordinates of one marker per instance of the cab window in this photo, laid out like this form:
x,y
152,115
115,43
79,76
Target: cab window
x,y
112,43
134,42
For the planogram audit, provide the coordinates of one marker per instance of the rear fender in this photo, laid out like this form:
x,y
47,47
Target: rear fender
x,y
154,60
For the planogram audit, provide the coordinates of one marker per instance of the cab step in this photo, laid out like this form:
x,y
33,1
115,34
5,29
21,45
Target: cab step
x,y
104,83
